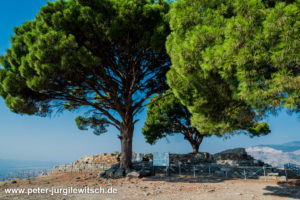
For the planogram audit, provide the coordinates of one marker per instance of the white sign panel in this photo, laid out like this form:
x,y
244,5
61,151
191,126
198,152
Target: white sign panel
x,y
161,159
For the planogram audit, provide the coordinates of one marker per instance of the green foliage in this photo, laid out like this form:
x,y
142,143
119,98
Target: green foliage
x,y
234,59
258,129
104,55
97,124
167,116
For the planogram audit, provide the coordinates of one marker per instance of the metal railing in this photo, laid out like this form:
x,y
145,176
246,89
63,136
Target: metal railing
x,y
197,170
291,171
227,171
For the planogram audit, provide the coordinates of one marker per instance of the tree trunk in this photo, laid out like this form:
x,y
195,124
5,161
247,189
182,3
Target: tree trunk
x,y
195,147
196,143
126,145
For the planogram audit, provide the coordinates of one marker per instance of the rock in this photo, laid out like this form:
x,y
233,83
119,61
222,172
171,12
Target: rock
x,y
127,171
116,166
228,162
232,154
102,174
145,173
110,172
13,181
139,174
133,174
120,173
146,193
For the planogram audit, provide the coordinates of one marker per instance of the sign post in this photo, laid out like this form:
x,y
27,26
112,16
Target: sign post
x,y
161,160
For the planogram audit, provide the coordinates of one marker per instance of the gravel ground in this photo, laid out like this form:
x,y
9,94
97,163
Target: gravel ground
x,y
162,188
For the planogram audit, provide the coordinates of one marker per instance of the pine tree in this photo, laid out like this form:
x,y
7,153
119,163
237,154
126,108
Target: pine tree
x,y
105,56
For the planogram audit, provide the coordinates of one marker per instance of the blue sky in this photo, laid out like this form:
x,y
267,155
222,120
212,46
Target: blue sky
x,y
58,139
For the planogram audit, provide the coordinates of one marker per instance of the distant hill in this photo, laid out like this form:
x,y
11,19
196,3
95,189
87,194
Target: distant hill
x,y
287,147
277,155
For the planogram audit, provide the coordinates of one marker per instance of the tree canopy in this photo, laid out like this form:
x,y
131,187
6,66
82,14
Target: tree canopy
x,y
167,116
106,56
231,57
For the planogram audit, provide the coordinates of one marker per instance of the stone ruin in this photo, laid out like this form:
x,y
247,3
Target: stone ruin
x,y
229,163
98,162
232,157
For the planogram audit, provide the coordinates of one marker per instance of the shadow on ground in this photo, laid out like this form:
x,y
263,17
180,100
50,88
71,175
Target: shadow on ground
x,y
284,189
187,179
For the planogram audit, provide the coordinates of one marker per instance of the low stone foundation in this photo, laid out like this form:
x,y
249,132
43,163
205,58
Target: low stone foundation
x,y
98,162
234,163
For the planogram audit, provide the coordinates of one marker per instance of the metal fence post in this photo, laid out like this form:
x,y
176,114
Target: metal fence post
x,y
245,174
264,173
153,170
194,172
209,172
179,168
286,174
166,170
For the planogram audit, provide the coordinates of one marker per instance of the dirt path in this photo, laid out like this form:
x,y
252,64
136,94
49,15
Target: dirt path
x,y
150,188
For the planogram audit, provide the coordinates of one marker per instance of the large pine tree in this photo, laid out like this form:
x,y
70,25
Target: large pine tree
x,y
107,56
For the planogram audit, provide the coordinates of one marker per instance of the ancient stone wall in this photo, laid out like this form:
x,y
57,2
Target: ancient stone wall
x,y
98,162
184,163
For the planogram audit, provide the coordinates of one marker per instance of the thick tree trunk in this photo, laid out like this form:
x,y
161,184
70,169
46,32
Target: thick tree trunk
x,y
126,145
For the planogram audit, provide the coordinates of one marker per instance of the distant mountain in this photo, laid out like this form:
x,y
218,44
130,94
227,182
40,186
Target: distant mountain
x,y
277,155
287,147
